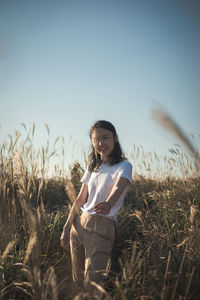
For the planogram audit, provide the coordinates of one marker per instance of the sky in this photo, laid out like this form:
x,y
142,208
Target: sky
x,y
69,63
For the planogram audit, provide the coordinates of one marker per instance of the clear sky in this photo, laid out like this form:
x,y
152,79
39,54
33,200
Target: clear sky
x,y
68,63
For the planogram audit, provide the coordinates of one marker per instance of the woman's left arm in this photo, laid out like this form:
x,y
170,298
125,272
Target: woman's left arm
x,y
117,190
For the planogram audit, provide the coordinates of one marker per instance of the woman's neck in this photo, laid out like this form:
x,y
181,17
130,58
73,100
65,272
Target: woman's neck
x,y
105,160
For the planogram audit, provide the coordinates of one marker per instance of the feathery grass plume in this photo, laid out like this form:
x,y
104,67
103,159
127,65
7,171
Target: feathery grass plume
x,y
9,247
49,283
47,128
138,214
193,212
70,190
29,216
33,130
31,243
36,286
167,122
54,221
23,125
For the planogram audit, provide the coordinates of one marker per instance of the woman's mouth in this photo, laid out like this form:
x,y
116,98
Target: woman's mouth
x,y
104,149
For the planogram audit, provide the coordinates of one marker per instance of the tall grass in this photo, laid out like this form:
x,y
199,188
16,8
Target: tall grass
x,y
156,255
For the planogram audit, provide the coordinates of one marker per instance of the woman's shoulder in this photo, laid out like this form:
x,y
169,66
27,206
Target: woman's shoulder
x,y
125,163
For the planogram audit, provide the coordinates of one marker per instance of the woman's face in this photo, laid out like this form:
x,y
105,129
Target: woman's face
x,y
103,142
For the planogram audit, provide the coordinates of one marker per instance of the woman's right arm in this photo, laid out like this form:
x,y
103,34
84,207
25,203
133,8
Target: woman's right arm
x,y
81,199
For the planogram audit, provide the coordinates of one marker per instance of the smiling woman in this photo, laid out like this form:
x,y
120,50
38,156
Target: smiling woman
x,y
104,142
104,185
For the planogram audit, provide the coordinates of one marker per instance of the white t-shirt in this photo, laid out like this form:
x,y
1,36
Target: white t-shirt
x,y
100,183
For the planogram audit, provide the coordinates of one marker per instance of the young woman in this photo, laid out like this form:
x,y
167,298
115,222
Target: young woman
x,y
104,184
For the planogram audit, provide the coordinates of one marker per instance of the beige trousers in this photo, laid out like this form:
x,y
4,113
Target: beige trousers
x,y
91,240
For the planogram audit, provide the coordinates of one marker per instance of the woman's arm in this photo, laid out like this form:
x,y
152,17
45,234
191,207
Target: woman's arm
x,y
81,199
117,190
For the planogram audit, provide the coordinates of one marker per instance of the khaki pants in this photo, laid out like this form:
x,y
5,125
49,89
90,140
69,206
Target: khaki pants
x,y
91,240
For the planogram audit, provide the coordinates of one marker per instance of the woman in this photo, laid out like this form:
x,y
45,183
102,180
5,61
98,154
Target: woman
x,y
104,185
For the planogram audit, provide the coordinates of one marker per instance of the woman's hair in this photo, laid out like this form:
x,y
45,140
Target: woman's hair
x,y
117,154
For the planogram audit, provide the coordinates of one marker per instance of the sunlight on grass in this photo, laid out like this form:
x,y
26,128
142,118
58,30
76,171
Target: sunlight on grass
x,y
157,253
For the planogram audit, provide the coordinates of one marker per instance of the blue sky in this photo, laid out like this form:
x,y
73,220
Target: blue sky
x,y
70,63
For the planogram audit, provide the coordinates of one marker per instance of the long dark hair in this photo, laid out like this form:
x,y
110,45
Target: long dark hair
x,y
117,154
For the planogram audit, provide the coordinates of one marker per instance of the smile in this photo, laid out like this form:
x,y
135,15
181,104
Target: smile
x,y
104,149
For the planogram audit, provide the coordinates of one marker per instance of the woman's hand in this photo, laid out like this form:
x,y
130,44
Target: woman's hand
x,y
64,239
102,208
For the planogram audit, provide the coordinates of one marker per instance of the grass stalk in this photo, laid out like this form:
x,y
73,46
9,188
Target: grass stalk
x,y
164,288
179,274
189,283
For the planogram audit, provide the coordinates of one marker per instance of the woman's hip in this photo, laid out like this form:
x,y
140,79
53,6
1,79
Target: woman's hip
x,y
97,224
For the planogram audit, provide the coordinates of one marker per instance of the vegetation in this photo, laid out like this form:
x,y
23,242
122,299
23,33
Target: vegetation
x,y
156,254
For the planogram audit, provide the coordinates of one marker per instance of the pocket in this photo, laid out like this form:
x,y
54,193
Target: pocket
x,y
88,222
101,226
108,228
83,219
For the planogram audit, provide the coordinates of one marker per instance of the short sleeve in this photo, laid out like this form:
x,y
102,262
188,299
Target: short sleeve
x,y
125,170
86,177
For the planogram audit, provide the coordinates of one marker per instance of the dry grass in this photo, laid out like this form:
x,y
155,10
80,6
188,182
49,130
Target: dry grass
x,y
157,254
167,122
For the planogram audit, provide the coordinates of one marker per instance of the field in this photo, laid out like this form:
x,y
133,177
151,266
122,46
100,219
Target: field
x,y
156,255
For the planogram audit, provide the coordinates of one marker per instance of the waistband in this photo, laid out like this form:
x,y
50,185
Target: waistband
x,y
98,217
